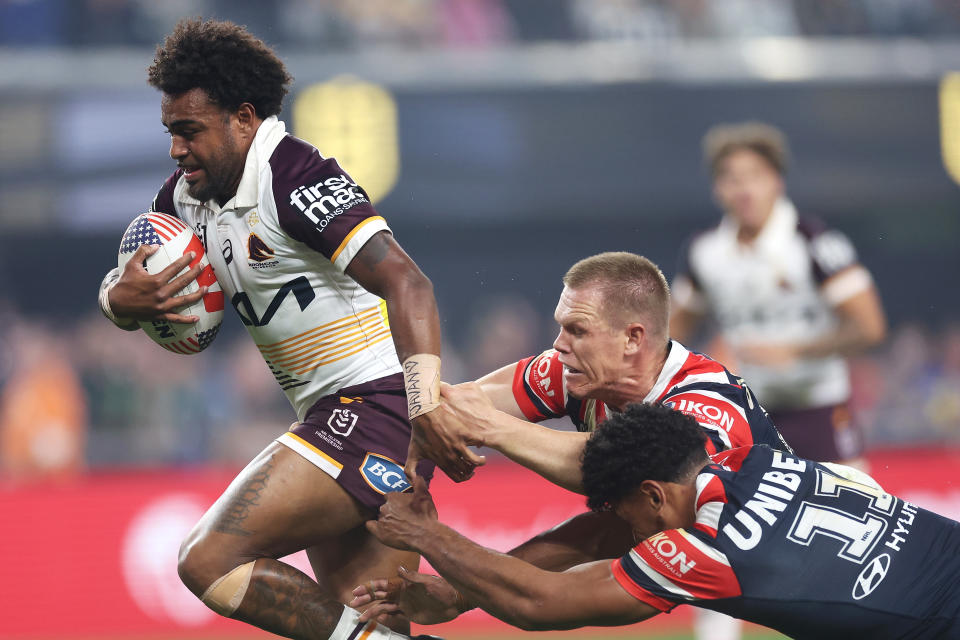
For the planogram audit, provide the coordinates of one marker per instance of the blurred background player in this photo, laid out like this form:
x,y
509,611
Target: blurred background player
x,y
785,542
788,296
249,189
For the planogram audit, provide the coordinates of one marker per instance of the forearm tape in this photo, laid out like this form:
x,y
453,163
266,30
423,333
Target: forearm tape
x,y
421,377
108,281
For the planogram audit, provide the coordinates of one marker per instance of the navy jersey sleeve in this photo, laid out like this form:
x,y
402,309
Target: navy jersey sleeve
x,y
319,204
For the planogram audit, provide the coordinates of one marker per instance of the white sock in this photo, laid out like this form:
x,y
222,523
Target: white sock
x,y
711,625
348,628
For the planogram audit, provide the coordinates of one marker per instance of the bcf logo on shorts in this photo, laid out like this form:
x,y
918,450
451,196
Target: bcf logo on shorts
x,y
342,421
383,474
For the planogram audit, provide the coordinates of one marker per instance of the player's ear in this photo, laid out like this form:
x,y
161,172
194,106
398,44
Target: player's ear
x,y
653,495
635,334
246,116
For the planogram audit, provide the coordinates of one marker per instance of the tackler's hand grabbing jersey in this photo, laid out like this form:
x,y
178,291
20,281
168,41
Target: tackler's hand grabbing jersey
x,y
689,382
799,547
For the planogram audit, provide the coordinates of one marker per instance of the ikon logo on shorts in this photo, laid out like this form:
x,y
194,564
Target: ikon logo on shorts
x,y
383,474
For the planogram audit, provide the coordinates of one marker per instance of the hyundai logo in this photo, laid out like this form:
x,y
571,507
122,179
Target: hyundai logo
x,y
871,576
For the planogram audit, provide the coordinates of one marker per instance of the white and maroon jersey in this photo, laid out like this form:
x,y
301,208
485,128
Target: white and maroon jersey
x,y
780,288
279,249
800,547
689,382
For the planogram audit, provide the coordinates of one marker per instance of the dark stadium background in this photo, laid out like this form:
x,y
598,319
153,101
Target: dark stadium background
x,y
527,134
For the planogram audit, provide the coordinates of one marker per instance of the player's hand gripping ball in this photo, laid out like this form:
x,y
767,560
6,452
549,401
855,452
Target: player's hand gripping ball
x,y
175,239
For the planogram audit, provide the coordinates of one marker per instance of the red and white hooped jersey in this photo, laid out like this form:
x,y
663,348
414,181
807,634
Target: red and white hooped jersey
x,y
689,382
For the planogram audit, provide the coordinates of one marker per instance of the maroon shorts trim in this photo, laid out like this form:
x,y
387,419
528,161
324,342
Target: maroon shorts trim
x,y
360,437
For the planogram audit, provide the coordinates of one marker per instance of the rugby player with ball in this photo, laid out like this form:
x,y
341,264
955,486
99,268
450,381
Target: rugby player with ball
x,y
314,272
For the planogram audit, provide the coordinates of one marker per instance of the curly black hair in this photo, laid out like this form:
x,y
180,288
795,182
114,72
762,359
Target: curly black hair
x,y
223,59
644,442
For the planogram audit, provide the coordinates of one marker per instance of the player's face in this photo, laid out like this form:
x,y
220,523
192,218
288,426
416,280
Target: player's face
x,y
747,186
654,507
592,353
643,521
206,143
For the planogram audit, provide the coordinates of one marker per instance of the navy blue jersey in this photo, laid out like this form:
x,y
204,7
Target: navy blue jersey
x,y
799,547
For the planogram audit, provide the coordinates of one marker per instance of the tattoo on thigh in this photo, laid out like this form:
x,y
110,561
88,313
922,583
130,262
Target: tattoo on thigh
x,y
239,506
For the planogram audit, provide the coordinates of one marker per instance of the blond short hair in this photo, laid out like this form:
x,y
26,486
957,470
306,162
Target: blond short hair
x,y
763,139
632,288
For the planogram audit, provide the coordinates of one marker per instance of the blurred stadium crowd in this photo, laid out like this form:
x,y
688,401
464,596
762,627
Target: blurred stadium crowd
x,y
75,393
89,396
345,25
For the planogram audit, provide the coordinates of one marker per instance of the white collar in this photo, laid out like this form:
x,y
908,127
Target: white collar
x,y
269,134
782,220
675,359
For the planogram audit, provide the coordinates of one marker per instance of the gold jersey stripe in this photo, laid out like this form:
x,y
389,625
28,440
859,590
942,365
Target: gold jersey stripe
x,y
329,327
369,323
333,355
372,340
290,361
371,627
356,229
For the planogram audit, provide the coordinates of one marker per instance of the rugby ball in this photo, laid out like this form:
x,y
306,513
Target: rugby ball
x,y
175,239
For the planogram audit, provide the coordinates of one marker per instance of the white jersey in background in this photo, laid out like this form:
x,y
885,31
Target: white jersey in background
x,y
780,288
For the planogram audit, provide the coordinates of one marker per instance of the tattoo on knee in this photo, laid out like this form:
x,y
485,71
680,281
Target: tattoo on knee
x,y
284,600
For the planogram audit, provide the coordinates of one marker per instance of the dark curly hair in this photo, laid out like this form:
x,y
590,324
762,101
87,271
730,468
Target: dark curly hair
x,y
645,442
223,59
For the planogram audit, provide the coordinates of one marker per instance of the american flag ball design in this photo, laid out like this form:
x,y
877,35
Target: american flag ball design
x,y
150,228
167,232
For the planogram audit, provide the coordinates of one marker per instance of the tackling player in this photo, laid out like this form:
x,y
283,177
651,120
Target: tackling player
x,y
313,272
613,349
753,532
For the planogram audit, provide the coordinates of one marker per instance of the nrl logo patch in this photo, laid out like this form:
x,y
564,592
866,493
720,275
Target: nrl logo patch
x,y
342,421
